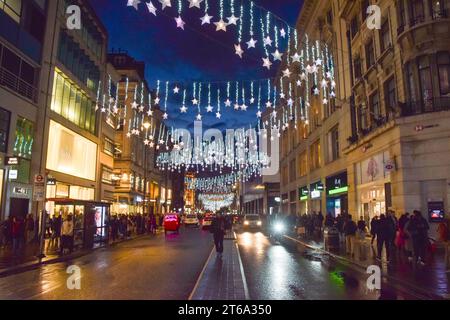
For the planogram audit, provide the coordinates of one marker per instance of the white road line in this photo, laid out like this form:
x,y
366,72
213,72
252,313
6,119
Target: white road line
x,y
244,279
201,275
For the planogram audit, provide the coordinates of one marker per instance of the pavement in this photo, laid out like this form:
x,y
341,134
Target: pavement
x,y
431,281
184,266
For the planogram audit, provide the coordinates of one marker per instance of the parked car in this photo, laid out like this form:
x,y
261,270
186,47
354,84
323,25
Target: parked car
x,y
191,220
207,222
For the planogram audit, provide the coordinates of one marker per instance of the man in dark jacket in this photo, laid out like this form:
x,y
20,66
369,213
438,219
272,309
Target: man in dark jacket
x,y
384,231
218,227
418,228
350,235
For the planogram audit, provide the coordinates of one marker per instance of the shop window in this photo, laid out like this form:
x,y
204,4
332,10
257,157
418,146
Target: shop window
x,y
443,60
107,175
315,154
12,8
5,117
303,164
385,36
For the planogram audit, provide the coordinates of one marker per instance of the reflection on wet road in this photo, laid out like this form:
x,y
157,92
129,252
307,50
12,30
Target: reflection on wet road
x,y
286,272
147,268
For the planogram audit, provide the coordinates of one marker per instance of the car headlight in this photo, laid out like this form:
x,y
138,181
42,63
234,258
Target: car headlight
x,y
279,227
246,223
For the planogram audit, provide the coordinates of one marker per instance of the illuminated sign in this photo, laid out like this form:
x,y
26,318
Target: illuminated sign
x,y
339,190
12,175
11,161
315,194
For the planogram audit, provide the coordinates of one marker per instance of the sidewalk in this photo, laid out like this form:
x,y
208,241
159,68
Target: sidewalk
x,y
432,279
27,259
222,279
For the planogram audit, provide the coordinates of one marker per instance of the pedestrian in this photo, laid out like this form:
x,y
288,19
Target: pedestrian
x,y
67,235
218,230
319,219
329,220
350,229
16,233
56,230
114,228
394,224
400,239
408,242
48,225
340,226
385,231
362,228
373,228
418,228
29,228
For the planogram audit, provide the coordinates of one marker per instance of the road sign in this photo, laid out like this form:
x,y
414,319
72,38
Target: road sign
x,y
39,188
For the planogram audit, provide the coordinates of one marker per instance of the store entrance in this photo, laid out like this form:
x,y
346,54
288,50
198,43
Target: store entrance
x,y
19,207
372,209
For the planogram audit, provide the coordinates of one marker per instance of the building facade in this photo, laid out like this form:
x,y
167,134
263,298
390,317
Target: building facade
x,y
384,142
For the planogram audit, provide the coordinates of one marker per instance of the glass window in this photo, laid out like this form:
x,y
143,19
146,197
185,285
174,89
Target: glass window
x,y
24,138
108,146
385,36
426,84
390,94
370,54
303,165
357,66
354,27
315,155
13,8
375,109
363,122
443,60
11,61
417,11
107,175
437,9
333,144
5,117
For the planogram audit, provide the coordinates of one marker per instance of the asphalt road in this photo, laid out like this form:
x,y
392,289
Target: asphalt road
x,y
286,271
152,267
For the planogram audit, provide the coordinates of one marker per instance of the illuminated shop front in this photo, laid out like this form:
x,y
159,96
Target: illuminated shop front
x,y
303,194
373,186
337,194
315,194
90,220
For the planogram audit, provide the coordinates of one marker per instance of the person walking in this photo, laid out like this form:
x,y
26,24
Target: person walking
x,y
114,228
350,229
329,221
218,230
400,239
56,230
418,228
373,228
29,228
16,233
385,231
67,235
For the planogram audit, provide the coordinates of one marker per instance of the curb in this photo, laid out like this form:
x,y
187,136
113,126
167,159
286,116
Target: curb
x,y
34,265
364,267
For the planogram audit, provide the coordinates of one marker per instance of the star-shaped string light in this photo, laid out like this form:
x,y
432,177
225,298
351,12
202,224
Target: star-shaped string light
x,y
199,117
157,100
218,115
133,3
259,114
165,3
165,116
180,22
236,106
268,104
287,73
206,19
283,33
221,25
266,63
238,49
252,100
195,3
209,108
151,8
194,101
232,20
228,103
277,55
183,109
295,57
268,41
244,107
251,43
176,90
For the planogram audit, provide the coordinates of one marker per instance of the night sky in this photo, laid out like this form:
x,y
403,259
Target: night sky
x,y
198,53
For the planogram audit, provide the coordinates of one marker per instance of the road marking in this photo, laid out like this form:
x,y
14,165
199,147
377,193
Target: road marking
x,y
201,275
241,266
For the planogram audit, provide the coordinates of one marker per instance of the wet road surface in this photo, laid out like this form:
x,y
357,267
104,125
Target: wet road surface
x,y
288,272
152,267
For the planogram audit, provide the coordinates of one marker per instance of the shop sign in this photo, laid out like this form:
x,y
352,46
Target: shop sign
x,y
318,186
303,192
389,166
13,174
11,161
436,211
315,194
337,184
21,191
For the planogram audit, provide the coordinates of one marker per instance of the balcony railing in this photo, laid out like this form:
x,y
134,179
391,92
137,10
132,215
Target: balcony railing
x,y
439,14
10,80
425,106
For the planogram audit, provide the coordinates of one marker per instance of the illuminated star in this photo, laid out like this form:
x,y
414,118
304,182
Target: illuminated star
x,y
277,55
206,19
165,116
268,104
238,49
282,95
244,107
259,114
252,100
195,3
183,109
218,115
194,101
134,105
325,101
157,100
251,43
290,102
151,8
180,22
149,112
221,25
199,117
236,106
176,90
274,113
268,41
296,57
141,109
283,33
287,73
128,134
165,3
209,109
318,62
228,103
316,91
303,76
266,63
133,3
232,20
299,83
324,83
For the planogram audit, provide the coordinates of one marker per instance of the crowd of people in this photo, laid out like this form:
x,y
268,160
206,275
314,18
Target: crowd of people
x,y
16,232
409,234
123,226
